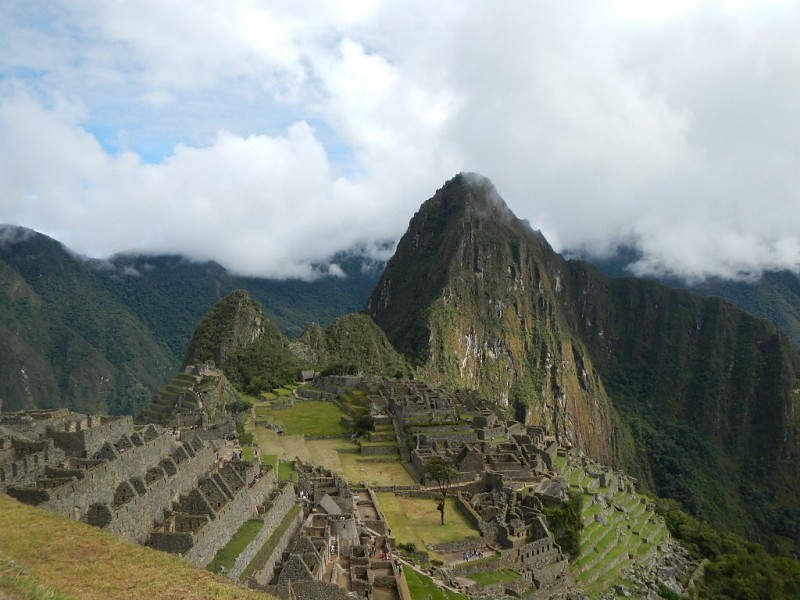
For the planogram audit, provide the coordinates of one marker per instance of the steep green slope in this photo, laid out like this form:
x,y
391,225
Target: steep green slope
x,y
68,342
104,336
241,340
710,393
353,344
238,336
471,298
705,402
775,297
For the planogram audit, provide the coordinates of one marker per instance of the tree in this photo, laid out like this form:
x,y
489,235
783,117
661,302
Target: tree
x,y
443,473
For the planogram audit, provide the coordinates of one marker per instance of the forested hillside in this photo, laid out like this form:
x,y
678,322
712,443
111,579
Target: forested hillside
x,y
695,397
104,336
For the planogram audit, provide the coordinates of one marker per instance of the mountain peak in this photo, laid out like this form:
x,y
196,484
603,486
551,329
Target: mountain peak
x,y
474,194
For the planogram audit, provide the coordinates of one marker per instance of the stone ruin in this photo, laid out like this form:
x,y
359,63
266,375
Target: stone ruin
x,y
340,548
142,483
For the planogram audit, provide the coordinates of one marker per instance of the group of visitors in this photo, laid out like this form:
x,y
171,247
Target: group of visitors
x,y
474,553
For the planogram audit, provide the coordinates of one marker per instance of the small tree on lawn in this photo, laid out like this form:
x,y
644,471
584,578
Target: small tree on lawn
x,y
443,473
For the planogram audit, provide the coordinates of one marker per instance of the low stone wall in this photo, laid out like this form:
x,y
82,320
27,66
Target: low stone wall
x,y
462,545
267,572
481,565
383,450
390,541
230,517
279,509
306,393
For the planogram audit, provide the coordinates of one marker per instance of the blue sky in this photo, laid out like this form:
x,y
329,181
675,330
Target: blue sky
x,y
270,135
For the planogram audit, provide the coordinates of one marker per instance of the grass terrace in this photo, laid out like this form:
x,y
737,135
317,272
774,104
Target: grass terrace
x,y
263,555
422,587
226,557
338,454
416,520
305,418
287,471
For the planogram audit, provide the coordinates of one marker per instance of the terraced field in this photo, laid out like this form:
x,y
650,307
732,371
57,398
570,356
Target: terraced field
x,y
619,528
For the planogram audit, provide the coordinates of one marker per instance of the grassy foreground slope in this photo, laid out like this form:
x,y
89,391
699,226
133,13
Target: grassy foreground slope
x,y
79,561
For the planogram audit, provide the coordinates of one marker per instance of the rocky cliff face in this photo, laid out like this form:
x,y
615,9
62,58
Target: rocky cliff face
x,y
700,400
471,298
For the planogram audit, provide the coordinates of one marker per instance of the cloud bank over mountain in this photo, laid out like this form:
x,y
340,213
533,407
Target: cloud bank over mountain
x,y
268,136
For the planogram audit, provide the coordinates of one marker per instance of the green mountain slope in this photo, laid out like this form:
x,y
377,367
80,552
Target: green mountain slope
x,y
774,296
241,340
471,297
67,342
104,336
353,344
695,397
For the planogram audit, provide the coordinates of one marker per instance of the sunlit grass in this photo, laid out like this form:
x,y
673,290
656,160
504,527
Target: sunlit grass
x,y
227,555
422,587
493,577
416,520
78,561
306,418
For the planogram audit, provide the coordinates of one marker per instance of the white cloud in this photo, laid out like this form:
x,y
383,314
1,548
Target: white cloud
x,y
269,135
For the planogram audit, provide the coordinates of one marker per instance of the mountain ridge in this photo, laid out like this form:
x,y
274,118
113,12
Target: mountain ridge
x,y
499,311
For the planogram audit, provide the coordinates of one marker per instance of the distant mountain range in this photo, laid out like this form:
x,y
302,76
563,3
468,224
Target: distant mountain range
x,y
773,295
105,335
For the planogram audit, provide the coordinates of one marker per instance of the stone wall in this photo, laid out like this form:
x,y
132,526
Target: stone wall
x,y
212,537
279,506
102,480
84,442
24,468
462,545
383,450
135,519
266,573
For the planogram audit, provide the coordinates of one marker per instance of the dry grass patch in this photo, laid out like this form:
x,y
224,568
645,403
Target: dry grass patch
x,y
80,561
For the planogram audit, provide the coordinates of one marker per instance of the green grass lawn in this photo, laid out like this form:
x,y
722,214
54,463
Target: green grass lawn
x,y
422,587
286,471
226,557
416,520
306,418
494,577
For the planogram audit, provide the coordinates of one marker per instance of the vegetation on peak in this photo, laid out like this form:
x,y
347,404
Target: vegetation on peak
x,y
354,344
693,396
233,324
239,337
